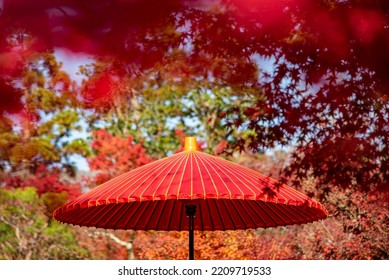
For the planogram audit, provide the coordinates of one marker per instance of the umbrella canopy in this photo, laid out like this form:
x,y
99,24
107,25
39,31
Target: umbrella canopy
x,y
161,195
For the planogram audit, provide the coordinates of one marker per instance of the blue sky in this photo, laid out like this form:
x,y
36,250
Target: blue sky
x,y
71,63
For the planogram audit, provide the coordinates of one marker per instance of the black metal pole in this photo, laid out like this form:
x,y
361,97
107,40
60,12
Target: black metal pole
x,y
191,213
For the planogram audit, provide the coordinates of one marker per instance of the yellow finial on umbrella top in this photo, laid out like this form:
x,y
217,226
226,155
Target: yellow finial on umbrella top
x,y
190,144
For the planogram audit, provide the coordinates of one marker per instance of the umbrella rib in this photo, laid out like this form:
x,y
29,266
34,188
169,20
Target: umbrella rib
x,y
271,211
117,215
220,215
63,211
76,201
221,167
304,215
94,224
293,193
228,212
209,215
245,176
256,213
293,213
234,166
271,181
309,210
108,213
305,218
137,177
289,192
155,203
160,214
122,183
180,220
256,175
67,217
233,172
182,175
137,205
94,211
222,180
128,210
166,174
201,177
201,217
210,176
94,192
171,214
160,169
105,188
242,204
133,174
142,213
277,210
171,180
237,211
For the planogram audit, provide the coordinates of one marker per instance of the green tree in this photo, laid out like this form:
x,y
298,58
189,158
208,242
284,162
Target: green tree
x,y
39,140
155,106
26,232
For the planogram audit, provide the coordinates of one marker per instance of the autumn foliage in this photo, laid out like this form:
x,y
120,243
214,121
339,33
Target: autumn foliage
x,y
355,229
44,181
296,89
115,155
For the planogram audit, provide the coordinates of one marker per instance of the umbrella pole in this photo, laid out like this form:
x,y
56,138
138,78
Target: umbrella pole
x,y
191,213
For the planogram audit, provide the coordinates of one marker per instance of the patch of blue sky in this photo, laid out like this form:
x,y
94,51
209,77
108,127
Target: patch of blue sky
x,y
71,63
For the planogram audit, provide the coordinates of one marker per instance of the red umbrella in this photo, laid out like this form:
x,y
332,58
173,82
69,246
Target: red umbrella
x,y
214,193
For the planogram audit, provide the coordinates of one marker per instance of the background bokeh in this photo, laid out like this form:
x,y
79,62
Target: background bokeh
x,y
295,89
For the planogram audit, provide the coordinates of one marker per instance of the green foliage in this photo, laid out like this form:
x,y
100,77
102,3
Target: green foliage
x,y
77,146
36,148
54,200
43,99
27,195
153,115
45,130
26,232
207,107
164,107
